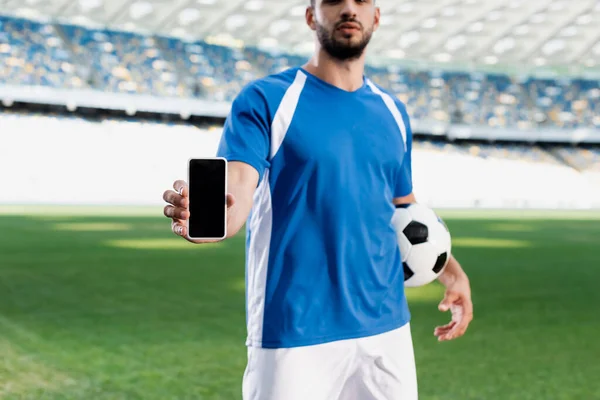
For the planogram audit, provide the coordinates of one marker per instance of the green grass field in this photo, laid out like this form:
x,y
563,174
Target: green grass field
x,y
108,304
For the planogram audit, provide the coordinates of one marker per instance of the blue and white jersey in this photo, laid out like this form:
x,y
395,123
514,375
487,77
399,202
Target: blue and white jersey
x,y
322,259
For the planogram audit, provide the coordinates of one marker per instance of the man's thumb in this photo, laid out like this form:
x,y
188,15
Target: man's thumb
x,y
449,298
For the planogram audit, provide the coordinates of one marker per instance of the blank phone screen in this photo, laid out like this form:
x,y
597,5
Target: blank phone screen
x,y
207,180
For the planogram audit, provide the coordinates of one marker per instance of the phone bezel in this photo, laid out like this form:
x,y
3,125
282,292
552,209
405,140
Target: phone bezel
x,y
190,199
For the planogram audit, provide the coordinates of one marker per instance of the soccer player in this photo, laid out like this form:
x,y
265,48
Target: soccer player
x,y
318,156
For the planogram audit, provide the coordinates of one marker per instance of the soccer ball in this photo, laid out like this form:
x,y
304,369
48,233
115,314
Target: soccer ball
x,y
424,241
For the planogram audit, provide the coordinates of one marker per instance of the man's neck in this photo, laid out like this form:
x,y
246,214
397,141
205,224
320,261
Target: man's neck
x,y
346,75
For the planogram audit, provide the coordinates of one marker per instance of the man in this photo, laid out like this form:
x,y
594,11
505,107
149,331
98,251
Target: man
x,y
318,157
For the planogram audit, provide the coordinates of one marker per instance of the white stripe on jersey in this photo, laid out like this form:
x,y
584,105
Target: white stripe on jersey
x,y
285,112
391,105
261,221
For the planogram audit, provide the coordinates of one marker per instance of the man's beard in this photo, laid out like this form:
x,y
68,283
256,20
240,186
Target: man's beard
x,y
341,49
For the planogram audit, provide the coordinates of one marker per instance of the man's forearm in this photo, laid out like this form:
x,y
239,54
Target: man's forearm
x,y
452,272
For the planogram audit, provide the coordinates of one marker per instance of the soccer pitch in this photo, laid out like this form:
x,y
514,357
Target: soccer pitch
x,y
106,303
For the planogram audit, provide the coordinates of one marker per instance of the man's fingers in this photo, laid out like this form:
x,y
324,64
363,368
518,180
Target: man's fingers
x,y
463,314
468,307
175,199
454,330
447,326
449,299
457,311
176,212
442,330
463,323
454,333
440,333
179,228
181,188
449,334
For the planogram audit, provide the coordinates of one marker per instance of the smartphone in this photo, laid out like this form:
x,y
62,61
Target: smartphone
x,y
207,182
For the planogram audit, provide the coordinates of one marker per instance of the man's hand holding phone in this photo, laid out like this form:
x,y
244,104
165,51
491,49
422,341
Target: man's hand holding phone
x,y
178,210
202,208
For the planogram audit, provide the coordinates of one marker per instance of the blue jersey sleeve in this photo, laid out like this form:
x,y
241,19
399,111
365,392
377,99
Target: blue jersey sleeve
x,y
246,133
404,184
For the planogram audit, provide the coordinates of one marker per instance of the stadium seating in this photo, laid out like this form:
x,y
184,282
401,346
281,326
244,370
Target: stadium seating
x,y
34,53
582,159
214,72
124,62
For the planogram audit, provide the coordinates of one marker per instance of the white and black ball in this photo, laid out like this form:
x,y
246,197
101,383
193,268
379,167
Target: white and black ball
x,y
425,243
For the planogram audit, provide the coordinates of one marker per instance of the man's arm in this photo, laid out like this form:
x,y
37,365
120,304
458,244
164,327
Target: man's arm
x,y
458,293
245,143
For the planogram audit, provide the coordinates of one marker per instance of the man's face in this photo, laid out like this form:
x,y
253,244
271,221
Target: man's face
x,y
344,27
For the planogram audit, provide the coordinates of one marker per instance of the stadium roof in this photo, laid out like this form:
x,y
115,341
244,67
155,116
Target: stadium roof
x,y
471,32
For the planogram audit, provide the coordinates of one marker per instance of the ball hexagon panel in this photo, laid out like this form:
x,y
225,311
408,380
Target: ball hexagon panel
x,y
440,263
408,273
416,232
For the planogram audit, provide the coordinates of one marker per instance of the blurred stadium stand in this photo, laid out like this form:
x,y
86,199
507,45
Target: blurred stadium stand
x,y
65,56
31,53
118,151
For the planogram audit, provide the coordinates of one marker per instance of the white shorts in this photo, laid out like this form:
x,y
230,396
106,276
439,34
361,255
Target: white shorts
x,y
380,367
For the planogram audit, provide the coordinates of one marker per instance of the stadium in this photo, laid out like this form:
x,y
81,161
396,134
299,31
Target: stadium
x,y
103,102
